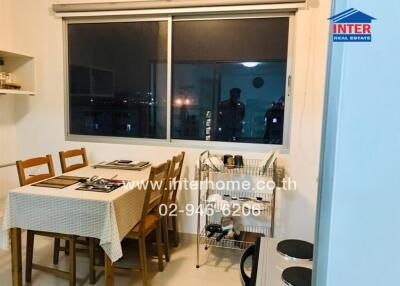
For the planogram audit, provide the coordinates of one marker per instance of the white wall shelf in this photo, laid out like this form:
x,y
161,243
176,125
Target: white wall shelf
x,y
16,91
22,69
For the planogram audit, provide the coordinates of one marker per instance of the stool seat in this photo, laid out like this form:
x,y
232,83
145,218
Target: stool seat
x,y
296,249
297,276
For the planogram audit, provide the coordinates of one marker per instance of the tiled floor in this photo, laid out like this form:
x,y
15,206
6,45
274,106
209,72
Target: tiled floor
x,y
218,267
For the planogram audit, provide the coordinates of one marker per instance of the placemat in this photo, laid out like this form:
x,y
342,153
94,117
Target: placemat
x,y
135,166
59,182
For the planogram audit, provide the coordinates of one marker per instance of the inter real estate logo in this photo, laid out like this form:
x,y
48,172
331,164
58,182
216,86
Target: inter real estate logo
x,y
352,26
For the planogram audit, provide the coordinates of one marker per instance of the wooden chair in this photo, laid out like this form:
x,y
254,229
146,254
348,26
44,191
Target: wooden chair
x,y
64,155
25,180
169,199
35,162
150,221
175,177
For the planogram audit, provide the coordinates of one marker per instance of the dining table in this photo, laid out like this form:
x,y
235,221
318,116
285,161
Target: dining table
x,y
107,217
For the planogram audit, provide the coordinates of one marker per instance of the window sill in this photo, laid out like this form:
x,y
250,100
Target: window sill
x,y
212,145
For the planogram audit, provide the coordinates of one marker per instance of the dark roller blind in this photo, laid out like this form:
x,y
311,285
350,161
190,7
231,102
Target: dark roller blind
x,y
231,40
160,4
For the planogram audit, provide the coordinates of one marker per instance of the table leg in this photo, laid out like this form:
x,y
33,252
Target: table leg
x,y
109,272
16,257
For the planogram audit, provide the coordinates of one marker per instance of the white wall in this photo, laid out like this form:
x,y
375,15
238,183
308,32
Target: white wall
x,y
40,120
8,150
359,210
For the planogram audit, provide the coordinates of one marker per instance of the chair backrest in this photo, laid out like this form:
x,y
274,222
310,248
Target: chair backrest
x,y
34,162
155,187
174,176
64,155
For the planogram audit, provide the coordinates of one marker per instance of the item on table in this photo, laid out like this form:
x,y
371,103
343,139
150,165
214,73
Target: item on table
x,y
124,161
230,162
221,235
214,198
227,223
213,229
123,165
227,228
226,156
215,163
101,185
238,161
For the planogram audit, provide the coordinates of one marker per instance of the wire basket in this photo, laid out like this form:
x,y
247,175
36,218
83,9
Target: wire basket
x,y
240,199
251,167
231,243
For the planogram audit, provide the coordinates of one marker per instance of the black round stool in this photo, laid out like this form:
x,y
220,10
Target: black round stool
x,y
296,249
297,276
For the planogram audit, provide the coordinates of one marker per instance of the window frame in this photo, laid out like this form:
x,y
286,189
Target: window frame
x,y
168,141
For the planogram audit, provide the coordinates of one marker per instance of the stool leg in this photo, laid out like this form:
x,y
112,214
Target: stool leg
x,y
29,256
56,253
72,262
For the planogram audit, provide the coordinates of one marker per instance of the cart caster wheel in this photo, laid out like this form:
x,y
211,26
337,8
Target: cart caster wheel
x,y
197,266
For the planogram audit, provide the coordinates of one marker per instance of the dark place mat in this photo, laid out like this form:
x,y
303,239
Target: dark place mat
x,y
296,249
297,276
124,166
59,182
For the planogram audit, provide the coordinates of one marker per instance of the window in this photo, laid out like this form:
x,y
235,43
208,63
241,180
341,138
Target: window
x,y
118,79
228,79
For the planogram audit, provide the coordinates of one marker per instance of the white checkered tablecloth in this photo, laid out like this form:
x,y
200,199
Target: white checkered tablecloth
x,y
105,216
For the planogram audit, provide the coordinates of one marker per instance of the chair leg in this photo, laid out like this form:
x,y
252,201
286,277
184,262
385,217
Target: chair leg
x,y
66,249
159,247
164,221
176,234
29,256
143,259
56,253
72,262
92,258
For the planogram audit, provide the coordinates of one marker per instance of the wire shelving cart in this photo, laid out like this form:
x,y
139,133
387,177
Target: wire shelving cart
x,y
252,169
